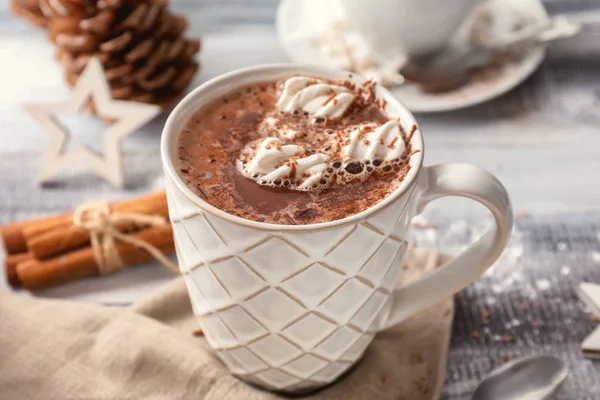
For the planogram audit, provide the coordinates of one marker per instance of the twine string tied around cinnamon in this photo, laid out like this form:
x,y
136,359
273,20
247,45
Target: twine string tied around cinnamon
x,y
101,223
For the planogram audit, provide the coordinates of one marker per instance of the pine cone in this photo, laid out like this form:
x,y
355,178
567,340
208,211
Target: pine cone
x,y
29,10
139,42
41,12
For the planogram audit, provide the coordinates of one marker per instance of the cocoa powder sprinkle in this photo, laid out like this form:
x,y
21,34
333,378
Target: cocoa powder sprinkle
x,y
413,129
293,169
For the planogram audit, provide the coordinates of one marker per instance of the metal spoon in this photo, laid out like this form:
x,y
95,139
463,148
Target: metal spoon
x,y
450,68
529,378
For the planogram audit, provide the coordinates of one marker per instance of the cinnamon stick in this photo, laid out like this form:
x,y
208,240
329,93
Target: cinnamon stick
x,y
35,274
10,267
12,234
34,229
66,237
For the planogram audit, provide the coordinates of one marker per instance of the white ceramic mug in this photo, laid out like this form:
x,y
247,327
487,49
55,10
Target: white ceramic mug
x,y
407,27
290,308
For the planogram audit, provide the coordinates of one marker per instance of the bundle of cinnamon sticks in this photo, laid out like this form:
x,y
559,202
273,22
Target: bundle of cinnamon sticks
x,y
52,250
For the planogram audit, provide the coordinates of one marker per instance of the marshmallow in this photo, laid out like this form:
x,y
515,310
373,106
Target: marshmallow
x,y
316,97
275,162
370,141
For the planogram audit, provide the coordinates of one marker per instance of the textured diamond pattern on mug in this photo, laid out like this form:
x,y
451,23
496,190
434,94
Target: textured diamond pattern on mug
x,y
187,253
236,237
376,267
212,291
319,243
275,350
217,333
231,363
275,305
179,206
248,360
331,372
402,224
369,310
337,343
385,220
305,366
308,331
395,270
278,379
313,284
357,349
245,327
274,309
200,306
239,280
267,257
337,306
212,245
351,254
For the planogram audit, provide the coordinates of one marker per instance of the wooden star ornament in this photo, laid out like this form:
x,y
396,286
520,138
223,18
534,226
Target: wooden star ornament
x,y
128,116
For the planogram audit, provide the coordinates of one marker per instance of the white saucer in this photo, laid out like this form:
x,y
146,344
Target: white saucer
x,y
301,23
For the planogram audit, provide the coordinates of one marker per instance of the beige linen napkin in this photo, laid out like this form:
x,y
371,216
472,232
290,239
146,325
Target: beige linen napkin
x,y
51,349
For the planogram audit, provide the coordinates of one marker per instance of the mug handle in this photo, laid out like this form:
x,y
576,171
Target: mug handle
x,y
463,180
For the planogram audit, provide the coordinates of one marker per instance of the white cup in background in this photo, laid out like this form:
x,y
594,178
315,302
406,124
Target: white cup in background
x,y
397,28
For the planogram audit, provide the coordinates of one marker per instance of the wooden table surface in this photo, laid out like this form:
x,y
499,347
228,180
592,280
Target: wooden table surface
x,y
541,139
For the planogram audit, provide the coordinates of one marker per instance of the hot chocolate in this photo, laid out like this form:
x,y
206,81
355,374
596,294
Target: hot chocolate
x,y
300,150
